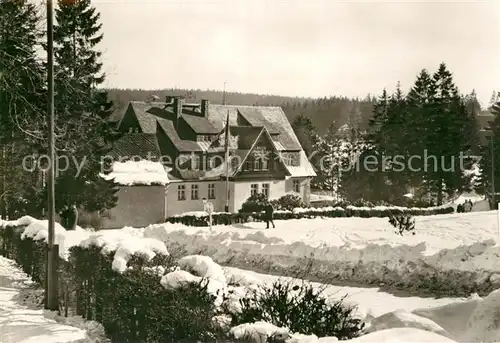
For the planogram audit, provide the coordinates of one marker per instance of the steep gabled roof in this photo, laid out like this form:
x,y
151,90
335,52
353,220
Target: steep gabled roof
x,y
220,171
260,120
247,135
200,124
135,145
263,133
274,120
180,144
146,120
255,118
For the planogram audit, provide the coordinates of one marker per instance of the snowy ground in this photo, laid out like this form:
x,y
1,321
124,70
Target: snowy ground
x,y
369,301
349,240
388,318
460,247
25,322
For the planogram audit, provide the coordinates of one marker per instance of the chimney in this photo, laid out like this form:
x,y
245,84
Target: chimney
x,y
204,107
169,101
177,109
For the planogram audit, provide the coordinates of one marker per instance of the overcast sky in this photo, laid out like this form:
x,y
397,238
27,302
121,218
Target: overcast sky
x,y
299,48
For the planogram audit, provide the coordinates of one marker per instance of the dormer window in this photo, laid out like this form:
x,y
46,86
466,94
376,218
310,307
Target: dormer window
x,y
204,138
211,163
195,163
291,159
248,165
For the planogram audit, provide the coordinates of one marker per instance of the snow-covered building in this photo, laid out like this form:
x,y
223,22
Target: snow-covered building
x,y
141,194
190,140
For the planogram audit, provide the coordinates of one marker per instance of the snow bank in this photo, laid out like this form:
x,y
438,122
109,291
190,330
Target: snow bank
x,y
178,278
407,335
23,221
484,323
403,318
458,250
206,269
38,230
471,320
259,332
197,214
142,172
203,266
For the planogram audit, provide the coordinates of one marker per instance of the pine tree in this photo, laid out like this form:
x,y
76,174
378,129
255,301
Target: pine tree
x,y
21,101
378,120
83,111
494,99
419,109
306,133
398,146
450,136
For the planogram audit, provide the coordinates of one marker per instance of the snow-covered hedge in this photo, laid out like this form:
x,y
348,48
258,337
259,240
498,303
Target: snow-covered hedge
x,y
117,279
201,218
139,293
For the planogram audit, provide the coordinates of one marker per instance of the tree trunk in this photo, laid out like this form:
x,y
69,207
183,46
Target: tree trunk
x,y
3,208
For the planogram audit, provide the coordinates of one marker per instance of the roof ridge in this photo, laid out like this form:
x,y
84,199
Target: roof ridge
x,y
246,106
256,126
147,102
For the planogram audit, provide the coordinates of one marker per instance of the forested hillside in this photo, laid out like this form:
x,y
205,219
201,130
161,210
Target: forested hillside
x,y
322,112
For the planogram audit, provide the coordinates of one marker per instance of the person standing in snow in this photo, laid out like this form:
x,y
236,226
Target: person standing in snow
x,y
269,212
467,206
71,218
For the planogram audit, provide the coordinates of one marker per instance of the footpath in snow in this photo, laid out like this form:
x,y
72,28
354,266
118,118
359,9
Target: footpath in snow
x,y
20,323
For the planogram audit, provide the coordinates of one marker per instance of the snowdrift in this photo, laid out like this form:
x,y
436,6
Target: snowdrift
x,y
470,320
449,253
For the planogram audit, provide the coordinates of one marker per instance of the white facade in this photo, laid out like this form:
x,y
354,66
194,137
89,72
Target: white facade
x,y
185,196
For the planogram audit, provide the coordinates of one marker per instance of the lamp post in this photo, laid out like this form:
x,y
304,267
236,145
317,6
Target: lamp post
x,y
492,148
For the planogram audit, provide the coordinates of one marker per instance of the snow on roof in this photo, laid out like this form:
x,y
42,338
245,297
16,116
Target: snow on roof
x,y
133,173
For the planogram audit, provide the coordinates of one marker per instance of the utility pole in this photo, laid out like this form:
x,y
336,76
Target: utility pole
x,y
493,195
51,277
226,148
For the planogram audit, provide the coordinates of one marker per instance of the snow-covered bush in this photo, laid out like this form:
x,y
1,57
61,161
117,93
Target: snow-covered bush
x,y
134,306
299,308
288,202
403,223
255,203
